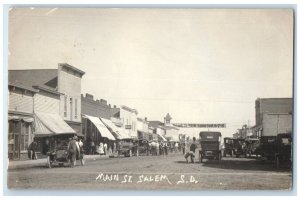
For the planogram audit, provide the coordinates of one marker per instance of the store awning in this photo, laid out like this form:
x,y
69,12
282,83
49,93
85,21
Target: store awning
x,y
50,124
113,128
172,138
162,137
18,118
101,127
122,133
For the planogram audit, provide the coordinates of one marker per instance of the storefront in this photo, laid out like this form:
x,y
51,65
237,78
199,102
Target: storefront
x,y
20,135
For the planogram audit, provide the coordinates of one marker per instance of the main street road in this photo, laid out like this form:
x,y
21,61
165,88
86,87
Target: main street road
x,y
155,172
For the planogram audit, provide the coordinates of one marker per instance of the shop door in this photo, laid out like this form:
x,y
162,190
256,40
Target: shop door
x,y
14,140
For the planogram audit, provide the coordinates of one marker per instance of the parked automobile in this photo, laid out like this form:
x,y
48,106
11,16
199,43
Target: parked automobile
x,y
143,147
210,146
277,148
239,147
283,153
126,147
56,149
252,147
228,146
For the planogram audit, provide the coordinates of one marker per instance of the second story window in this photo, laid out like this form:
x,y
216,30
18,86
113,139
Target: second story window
x,y
65,105
75,108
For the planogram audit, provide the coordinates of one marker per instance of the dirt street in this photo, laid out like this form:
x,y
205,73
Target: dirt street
x,y
155,172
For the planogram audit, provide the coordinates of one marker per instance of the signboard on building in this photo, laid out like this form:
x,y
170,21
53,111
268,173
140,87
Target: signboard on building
x,y
127,126
186,125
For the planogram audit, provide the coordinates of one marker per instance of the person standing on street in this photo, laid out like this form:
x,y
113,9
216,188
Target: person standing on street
x,y
192,151
32,150
72,149
105,148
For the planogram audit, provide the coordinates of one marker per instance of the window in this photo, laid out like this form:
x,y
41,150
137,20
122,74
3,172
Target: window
x,y
75,108
65,106
71,108
24,137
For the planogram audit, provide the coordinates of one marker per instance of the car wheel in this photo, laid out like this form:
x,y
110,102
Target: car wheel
x,y
201,158
82,162
130,153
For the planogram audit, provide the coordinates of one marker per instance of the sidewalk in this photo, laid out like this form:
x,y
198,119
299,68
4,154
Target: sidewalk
x,y
20,164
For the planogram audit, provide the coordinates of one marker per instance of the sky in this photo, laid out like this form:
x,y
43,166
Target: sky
x,y
199,65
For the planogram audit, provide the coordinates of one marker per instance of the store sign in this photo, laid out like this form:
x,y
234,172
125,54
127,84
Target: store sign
x,y
127,126
185,125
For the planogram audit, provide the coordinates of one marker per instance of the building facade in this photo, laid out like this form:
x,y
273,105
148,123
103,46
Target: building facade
x,y
128,117
92,111
69,84
20,120
142,128
270,105
37,92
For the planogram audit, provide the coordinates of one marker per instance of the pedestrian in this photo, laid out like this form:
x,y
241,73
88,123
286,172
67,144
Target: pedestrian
x,y
72,149
105,148
166,148
101,148
32,150
93,147
114,148
192,151
176,147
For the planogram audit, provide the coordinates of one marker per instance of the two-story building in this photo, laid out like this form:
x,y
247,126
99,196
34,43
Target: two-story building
x,y
143,128
128,117
37,93
20,120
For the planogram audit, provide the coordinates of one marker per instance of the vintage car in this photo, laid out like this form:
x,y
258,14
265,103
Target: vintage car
x,y
210,146
252,147
277,148
268,147
283,154
143,147
56,149
228,146
126,147
239,147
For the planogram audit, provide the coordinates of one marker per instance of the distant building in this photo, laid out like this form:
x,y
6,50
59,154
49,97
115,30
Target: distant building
x,y
143,128
165,129
128,118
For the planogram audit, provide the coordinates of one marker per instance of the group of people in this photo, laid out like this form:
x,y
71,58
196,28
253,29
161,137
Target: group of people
x,y
157,148
75,150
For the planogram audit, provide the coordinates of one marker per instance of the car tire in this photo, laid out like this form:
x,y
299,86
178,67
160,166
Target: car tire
x,y
130,153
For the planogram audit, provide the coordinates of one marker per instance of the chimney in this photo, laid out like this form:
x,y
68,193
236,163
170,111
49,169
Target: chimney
x,y
89,96
145,118
115,106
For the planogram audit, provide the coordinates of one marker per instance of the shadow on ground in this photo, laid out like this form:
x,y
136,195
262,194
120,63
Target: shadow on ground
x,y
241,164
